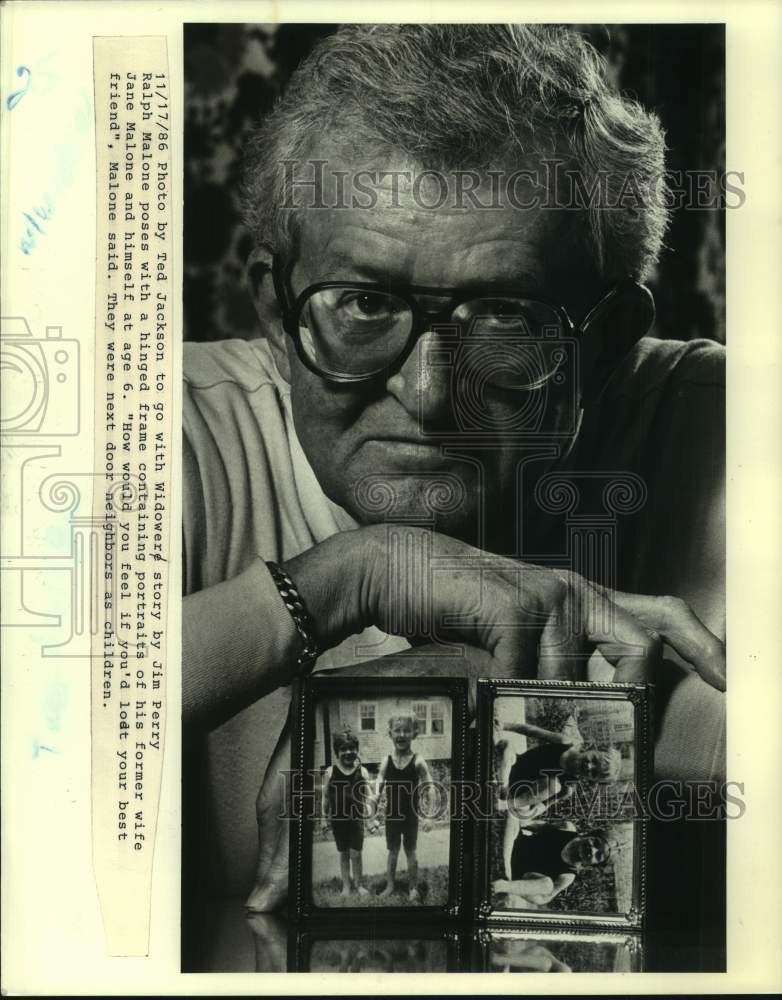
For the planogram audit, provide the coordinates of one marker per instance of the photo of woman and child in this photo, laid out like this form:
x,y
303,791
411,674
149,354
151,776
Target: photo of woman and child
x,y
562,837
378,796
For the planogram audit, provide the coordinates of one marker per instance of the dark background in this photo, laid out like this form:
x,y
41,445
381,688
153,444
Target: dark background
x,y
233,73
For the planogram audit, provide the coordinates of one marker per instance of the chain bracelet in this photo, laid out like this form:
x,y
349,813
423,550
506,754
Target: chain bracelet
x,y
301,618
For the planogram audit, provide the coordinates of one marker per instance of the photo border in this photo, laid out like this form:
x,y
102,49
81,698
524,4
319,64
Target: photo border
x,y
641,697
482,938
306,695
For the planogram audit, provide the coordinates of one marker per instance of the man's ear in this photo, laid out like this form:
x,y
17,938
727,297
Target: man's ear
x,y
258,275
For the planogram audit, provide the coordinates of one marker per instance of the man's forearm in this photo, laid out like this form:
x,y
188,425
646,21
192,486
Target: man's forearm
x,y
239,643
239,640
332,579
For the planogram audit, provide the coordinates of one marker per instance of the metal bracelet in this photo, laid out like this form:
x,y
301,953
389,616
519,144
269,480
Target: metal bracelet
x,y
301,618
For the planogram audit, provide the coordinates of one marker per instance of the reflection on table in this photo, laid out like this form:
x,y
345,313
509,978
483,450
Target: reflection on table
x,y
378,955
267,943
533,951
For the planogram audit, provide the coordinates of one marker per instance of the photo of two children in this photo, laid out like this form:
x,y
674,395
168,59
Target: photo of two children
x,y
383,794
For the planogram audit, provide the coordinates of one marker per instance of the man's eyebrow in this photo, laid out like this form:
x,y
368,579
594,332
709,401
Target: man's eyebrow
x,y
343,266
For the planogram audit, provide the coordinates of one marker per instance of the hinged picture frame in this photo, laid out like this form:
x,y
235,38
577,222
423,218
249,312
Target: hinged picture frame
x,y
606,888
445,895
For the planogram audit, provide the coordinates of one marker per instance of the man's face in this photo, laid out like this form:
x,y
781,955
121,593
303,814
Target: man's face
x,y
402,736
585,850
357,436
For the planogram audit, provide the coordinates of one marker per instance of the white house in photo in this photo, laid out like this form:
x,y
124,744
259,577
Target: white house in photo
x,y
367,718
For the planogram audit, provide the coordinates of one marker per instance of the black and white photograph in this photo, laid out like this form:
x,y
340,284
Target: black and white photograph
x,y
384,791
566,782
529,951
375,797
390,435
454,324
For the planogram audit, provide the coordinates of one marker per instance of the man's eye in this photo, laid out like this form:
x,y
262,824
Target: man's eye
x,y
365,306
503,309
505,314
486,315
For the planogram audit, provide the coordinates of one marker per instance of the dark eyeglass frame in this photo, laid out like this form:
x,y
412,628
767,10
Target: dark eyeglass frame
x,y
423,319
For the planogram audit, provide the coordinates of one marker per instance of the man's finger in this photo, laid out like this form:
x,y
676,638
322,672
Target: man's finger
x,y
563,652
621,638
562,656
680,627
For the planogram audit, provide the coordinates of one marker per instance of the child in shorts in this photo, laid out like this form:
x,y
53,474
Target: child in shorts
x,y
345,798
403,774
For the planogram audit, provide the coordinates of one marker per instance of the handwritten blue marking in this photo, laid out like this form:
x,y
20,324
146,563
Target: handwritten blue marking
x,y
34,219
17,95
41,746
65,157
45,80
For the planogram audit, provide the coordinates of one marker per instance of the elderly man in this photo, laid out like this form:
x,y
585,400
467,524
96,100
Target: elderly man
x,y
443,330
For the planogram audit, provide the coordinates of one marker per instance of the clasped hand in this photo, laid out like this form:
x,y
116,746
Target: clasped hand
x,y
530,620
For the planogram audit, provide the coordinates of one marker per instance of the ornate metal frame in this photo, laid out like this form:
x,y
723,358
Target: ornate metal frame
x,y
641,697
483,936
307,694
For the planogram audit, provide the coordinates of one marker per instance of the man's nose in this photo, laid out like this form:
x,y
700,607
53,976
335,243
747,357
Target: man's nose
x,y
423,385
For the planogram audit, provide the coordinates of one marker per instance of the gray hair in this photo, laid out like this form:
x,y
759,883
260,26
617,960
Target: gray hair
x,y
467,96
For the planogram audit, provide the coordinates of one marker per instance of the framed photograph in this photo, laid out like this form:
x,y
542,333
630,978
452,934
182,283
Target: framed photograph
x,y
512,950
395,948
564,770
378,767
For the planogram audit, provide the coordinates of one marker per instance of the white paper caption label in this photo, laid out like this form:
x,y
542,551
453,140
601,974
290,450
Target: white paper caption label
x,y
133,420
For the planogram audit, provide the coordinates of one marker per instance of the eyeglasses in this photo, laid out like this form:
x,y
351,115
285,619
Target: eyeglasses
x,y
350,332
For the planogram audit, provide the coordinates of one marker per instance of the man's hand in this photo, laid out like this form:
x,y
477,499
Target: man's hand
x,y
518,620
529,620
